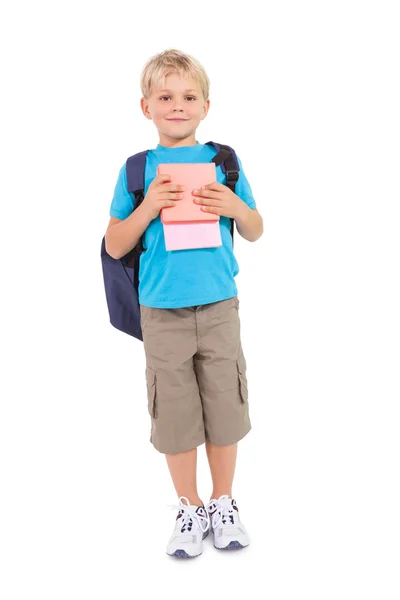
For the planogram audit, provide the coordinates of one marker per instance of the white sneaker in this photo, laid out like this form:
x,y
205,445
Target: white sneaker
x,y
229,533
191,528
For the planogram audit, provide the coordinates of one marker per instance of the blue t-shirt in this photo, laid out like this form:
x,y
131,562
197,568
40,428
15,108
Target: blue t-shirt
x,y
179,278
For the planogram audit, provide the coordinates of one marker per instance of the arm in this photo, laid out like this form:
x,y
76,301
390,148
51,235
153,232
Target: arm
x,y
123,235
218,199
249,223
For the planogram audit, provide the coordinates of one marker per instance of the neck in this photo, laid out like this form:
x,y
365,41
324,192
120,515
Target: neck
x,y
168,142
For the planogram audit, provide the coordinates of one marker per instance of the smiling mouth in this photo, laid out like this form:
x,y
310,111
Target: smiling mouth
x,y
178,120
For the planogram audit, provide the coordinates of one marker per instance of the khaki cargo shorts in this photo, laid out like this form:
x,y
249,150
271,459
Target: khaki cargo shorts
x,y
196,376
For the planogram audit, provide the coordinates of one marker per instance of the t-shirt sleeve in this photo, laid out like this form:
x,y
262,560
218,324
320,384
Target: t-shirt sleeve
x,y
243,189
123,201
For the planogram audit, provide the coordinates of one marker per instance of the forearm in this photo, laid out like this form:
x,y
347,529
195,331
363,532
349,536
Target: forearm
x,y
249,223
123,236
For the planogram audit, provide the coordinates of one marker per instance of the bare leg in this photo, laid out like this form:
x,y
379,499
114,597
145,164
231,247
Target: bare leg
x,y
222,461
182,467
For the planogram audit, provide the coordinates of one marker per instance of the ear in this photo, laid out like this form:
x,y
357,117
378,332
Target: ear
x,y
206,108
144,105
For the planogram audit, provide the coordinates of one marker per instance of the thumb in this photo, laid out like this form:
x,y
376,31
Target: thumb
x,y
162,178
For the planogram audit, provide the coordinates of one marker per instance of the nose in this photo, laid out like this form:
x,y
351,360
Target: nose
x,y
177,104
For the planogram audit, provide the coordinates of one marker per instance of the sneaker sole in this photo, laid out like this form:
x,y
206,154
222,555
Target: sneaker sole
x,y
231,546
183,554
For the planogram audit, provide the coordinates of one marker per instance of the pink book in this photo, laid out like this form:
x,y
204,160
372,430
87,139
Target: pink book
x,y
193,176
186,226
188,236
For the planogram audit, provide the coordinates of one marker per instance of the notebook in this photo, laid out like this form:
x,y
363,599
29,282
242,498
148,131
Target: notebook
x,y
192,176
188,236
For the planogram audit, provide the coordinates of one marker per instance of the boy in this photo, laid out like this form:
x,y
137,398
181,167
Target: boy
x,y
195,368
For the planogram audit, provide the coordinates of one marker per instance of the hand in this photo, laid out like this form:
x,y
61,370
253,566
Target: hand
x,y
161,194
218,199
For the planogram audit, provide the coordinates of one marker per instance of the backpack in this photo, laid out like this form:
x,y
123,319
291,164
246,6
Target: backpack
x,y
121,276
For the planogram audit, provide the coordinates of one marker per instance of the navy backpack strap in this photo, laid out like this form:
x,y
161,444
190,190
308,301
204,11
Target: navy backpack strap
x,y
135,166
226,157
135,172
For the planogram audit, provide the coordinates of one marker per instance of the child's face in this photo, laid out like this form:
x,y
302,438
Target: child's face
x,y
178,98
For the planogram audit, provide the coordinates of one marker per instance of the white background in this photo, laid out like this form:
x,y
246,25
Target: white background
x,y
308,95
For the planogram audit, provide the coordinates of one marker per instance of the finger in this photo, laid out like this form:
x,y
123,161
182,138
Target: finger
x,y
173,188
171,196
215,210
207,201
214,185
168,203
161,178
207,194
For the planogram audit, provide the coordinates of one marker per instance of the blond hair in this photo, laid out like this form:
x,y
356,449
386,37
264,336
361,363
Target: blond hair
x,y
169,62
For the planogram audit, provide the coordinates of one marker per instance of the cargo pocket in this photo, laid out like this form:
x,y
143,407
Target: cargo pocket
x,y
241,368
151,392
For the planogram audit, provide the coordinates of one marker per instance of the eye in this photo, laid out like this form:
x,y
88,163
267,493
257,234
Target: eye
x,y
162,97
193,97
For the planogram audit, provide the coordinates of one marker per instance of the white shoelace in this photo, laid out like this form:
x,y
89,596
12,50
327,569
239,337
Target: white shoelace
x,y
221,511
189,513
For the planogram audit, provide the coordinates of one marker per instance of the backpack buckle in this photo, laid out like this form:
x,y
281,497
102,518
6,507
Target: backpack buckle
x,y
232,176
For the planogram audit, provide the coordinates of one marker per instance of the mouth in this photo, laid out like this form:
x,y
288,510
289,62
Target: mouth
x,y
177,120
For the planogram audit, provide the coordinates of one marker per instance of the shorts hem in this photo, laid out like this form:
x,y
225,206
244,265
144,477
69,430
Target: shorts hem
x,y
231,441
165,449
